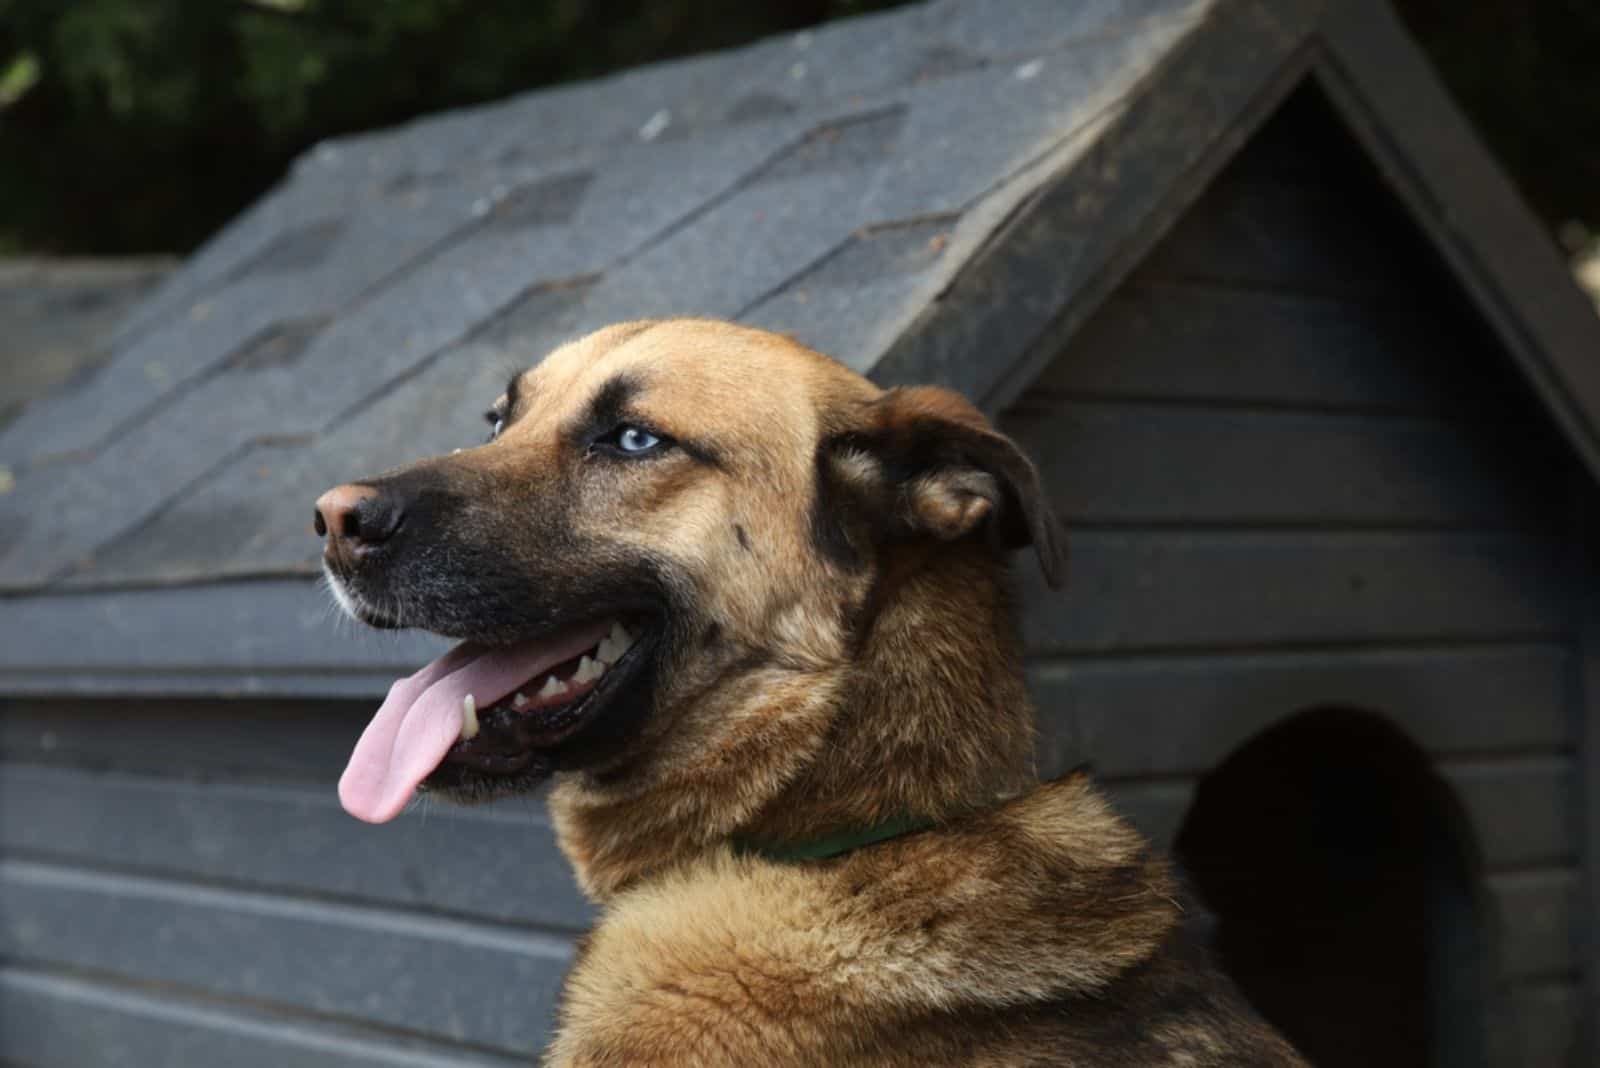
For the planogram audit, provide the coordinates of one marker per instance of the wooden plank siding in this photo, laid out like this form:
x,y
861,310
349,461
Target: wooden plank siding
x,y
498,864
1521,809
52,1018
1297,471
448,931
288,950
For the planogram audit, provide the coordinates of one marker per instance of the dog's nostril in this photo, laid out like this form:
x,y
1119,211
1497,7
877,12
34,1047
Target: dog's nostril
x,y
354,517
318,524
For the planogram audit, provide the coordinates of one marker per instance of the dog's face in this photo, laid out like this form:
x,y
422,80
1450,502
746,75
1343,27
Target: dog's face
x,y
668,517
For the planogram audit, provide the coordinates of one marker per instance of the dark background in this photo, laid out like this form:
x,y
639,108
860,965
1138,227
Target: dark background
x,y
137,126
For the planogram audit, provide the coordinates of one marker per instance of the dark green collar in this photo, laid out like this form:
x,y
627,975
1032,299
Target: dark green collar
x,y
834,845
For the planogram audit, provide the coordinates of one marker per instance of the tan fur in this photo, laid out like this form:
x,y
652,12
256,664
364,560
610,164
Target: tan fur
x,y
839,685
738,961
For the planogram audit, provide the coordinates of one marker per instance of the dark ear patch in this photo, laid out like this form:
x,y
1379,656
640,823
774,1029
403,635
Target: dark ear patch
x,y
934,467
837,529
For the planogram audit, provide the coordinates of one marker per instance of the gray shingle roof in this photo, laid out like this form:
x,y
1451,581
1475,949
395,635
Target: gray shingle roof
x,y
939,192
365,312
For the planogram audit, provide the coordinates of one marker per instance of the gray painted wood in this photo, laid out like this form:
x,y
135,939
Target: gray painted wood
x,y
1151,463
1264,230
1166,715
499,863
53,1019
1541,1027
1533,909
1136,590
264,740
1426,149
1127,589
1201,341
1521,809
1021,298
445,979
1524,809
1539,912
1586,711
279,636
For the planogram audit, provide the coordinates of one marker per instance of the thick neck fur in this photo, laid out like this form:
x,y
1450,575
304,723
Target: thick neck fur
x,y
935,720
959,945
929,720
1022,896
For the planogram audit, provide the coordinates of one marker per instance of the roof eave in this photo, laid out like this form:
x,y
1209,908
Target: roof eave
x,y
1002,317
1388,96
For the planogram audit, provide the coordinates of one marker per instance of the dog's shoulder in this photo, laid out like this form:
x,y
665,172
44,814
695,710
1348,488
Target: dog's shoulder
x,y
889,955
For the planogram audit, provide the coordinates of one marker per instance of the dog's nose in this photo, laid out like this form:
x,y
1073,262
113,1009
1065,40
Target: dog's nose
x,y
355,519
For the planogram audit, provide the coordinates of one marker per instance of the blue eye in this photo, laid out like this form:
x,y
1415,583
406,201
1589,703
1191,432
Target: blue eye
x,y
635,439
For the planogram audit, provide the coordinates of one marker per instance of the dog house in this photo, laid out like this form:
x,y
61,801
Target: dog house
x,y
1310,387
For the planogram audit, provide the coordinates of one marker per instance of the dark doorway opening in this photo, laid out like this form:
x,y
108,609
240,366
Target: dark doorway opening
x,y
1346,890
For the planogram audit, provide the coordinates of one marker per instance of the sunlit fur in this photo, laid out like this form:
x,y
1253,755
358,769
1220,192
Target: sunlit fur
x,y
843,652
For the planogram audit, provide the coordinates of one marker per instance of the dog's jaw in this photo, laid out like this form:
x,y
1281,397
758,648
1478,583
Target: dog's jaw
x,y
799,747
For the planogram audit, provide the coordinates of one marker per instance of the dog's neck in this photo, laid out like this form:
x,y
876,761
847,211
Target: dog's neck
x,y
930,720
936,720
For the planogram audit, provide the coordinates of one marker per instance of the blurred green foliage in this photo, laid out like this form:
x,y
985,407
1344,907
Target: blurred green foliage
x,y
143,125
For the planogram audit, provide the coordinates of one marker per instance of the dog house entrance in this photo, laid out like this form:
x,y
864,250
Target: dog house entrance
x,y
1341,874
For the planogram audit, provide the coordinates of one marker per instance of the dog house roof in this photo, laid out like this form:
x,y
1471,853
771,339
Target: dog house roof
x,y
938,193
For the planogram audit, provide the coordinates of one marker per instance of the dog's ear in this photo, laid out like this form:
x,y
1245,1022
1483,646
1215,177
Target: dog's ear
x,y
934,467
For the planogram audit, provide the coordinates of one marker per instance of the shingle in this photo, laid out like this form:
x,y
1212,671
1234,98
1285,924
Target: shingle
x,y
298,248
842,322
836,305
855,142
256,510
317,267
737,252
1004,28
280,345
965,134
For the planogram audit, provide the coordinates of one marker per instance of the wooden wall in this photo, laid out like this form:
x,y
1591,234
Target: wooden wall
x,y
1296,471
178,886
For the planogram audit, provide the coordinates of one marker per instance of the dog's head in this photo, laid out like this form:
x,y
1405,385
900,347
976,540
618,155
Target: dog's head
x,y
672,525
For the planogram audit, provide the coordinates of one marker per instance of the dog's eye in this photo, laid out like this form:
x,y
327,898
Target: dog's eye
x,y
631,440
496,421
636,439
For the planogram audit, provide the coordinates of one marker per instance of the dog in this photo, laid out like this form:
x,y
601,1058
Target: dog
x,y
751,613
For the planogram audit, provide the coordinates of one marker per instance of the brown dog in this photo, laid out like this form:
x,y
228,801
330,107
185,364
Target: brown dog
x,y
751,611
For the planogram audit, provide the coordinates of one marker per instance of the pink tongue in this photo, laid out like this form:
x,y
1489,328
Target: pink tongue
x,y
421,718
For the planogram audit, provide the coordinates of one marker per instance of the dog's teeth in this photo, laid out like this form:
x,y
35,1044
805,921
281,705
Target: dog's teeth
x,y
519,700
588,670
553,687
615,644
469,718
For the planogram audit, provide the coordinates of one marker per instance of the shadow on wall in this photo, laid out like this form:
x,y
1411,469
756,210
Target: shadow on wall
x,y
1348,893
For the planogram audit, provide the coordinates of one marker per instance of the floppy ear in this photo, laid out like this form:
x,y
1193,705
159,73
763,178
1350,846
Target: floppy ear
x,y
945,473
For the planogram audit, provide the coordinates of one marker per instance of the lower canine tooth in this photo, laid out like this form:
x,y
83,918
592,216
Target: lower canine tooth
x,y
553,687
469,718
